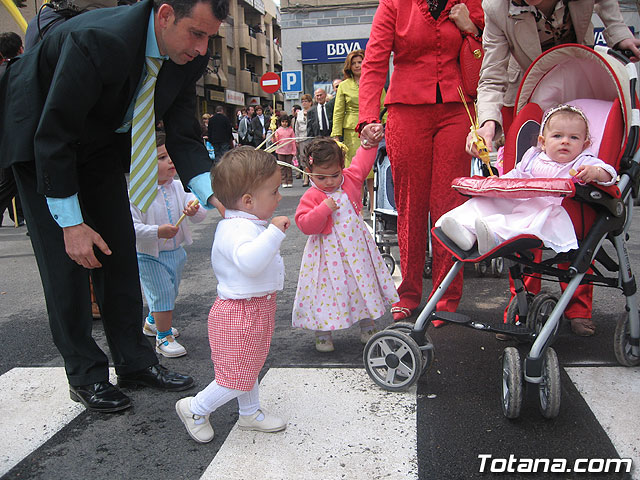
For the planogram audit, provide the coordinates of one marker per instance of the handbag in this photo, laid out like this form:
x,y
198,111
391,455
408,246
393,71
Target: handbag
x,y
471,55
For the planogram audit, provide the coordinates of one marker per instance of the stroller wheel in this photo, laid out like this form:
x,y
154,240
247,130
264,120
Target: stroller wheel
x,y
426,271
393,360
428,351
549,389
541,307
497,267
389,262
622,345
511,383
482,268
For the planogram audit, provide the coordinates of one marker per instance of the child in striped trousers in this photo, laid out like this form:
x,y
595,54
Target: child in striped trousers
x,y
161,256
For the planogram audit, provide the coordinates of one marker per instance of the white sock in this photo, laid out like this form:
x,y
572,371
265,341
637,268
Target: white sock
x,y
212,397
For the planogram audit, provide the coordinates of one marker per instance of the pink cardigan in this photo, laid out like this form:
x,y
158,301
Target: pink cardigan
x,y
313,216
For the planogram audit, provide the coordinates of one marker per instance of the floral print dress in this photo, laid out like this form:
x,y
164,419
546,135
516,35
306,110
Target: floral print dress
x,y
343,278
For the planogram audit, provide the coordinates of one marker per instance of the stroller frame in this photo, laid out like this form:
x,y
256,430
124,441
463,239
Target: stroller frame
x,y
396,357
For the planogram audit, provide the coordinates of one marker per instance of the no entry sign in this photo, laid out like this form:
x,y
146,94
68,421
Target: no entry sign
x,y
270,82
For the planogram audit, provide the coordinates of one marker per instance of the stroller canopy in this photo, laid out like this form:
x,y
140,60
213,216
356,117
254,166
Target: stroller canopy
x,y
569,72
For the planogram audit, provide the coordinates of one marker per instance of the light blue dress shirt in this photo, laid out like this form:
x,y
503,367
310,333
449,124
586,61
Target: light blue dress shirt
x,y
66,211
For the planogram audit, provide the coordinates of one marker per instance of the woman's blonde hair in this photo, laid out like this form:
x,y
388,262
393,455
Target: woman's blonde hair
x,y
240,171
307,97
348,73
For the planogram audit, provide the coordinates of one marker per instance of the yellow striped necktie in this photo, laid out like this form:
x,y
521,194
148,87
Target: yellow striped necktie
x,y
144,158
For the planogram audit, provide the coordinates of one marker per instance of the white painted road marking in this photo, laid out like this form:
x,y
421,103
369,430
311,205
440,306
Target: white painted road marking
x,y
613,395
34,405
340,425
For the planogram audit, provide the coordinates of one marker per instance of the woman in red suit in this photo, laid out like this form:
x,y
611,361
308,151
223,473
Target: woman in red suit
x,y
426,126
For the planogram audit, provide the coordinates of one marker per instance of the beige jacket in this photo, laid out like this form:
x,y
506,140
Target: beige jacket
x,y
511,44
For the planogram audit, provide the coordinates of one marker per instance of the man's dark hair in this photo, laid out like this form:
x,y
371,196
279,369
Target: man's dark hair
x,y
10,44
297,107
219,109
182,8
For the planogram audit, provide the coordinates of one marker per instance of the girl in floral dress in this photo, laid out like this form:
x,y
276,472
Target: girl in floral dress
x,y
343,278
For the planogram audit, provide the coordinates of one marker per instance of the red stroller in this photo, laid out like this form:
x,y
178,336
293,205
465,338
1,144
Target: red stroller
x,y
602,82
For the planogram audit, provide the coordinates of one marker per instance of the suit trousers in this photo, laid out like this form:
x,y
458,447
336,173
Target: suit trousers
x,y
105,208
426,146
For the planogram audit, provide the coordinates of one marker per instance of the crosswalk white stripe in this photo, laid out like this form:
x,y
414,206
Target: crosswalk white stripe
x,y
34,406
340,425
613,395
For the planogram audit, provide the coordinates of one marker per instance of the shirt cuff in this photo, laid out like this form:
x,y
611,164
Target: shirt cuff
x,y
65,211
200,185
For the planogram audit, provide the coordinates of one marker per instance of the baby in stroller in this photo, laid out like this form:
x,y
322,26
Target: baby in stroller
x,y
560,153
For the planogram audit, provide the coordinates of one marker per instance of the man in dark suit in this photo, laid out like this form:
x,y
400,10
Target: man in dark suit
x,y
66,109
220,133
319,118
260,126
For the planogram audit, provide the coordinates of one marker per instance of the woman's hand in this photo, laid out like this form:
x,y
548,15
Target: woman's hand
x,y
459,15
632,45
371,135
487,132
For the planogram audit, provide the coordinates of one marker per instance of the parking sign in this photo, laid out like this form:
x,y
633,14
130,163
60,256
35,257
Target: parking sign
x,y
292,81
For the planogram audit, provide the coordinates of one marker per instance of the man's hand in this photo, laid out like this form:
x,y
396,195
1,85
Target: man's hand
x,y
79,241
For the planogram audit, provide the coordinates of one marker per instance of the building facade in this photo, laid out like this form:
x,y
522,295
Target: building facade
x,y
318,35
246,47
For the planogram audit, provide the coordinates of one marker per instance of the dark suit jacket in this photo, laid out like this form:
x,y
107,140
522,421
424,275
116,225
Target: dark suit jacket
x,y
313,124
256,124
220,129
62,101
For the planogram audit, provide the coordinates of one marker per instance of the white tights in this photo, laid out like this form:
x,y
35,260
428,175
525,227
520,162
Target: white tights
x,y
214,396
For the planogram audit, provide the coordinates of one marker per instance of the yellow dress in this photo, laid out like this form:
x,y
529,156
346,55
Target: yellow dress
x,y
345,117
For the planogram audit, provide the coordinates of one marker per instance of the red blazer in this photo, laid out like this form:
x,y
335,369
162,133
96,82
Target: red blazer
x,y
313,216
425,53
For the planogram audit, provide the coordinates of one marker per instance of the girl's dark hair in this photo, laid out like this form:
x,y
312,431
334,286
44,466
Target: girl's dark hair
x,y
324,151
282,118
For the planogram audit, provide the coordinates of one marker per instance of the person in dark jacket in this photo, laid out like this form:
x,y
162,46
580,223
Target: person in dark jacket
x,y
220,133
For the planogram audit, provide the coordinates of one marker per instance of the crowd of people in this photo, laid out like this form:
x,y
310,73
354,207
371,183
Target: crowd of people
x,y
87,223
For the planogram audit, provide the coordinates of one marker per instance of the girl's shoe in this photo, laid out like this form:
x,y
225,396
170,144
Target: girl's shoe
x,y
150,329
169,348
458,234
486,237
324,343
366,334
198,427
269,423
400,313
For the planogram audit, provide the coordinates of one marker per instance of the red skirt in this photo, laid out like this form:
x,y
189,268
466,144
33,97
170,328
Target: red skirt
x,y
240,334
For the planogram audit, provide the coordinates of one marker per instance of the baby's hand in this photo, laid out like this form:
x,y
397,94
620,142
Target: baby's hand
x,y
331,203
591,173
167,231
281,222
191,209
371,135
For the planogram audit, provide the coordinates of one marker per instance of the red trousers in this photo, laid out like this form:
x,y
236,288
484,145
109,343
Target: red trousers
x,y
426,144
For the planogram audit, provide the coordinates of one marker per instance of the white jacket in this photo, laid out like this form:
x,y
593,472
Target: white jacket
x,y
246,256
170,197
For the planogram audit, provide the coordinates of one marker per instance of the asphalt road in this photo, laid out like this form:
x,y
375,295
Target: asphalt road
x,y
457,414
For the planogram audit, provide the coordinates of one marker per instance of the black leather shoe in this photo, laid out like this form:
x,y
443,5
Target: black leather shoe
x,y
156,376
100,397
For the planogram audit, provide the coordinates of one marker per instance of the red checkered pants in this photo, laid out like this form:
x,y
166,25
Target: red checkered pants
x,y
240,334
